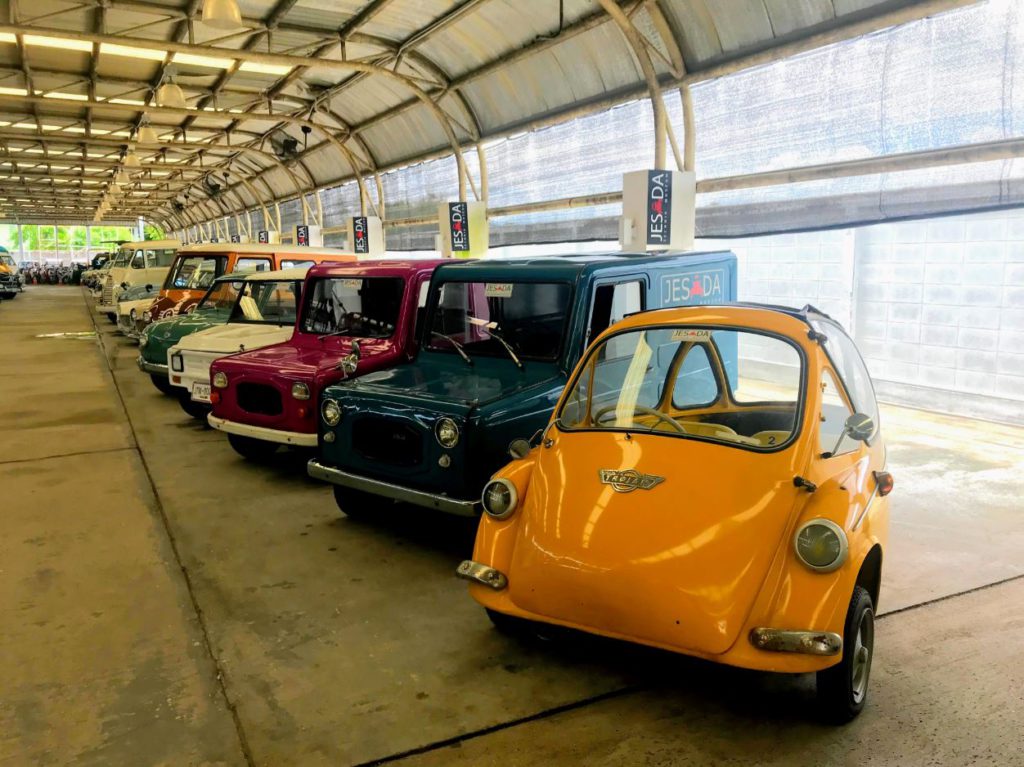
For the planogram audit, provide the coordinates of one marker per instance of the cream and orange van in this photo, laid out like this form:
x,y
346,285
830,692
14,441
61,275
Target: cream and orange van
x,y
197,266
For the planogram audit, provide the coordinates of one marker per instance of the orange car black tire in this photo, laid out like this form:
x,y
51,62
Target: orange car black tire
x,y
843,688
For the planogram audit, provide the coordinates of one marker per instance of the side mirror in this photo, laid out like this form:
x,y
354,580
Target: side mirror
x,y
519,448
859,427
149,288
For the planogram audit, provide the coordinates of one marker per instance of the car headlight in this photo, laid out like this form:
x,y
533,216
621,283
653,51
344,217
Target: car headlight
x,y
220,380
821,545
447,432
146,316
131,316
499,498
300,391
331,412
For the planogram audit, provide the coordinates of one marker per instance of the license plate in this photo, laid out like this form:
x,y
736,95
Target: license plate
x,y
200,392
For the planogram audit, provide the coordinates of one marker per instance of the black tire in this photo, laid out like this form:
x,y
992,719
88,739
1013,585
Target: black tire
x,y
509,625
843,688
162,384
197,410
251,449
359,505
9,296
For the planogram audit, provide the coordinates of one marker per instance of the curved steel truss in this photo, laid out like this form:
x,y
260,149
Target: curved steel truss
x,y
311,94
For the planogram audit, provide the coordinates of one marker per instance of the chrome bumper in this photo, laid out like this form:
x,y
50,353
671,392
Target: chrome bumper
x,y
262,432
804,642
396,492
482,574
151,367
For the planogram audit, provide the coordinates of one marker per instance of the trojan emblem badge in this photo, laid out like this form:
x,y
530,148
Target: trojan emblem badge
x,y
629,480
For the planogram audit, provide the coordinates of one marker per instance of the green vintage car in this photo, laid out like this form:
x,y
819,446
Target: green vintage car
x,y
214,309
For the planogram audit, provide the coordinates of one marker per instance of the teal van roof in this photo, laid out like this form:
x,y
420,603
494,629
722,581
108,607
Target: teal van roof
x,y
569,266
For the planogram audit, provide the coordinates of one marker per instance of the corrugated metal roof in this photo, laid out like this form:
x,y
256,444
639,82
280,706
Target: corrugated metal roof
x,y
492,65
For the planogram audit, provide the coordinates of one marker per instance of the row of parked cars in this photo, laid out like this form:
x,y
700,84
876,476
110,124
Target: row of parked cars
x,y
648,459
11,282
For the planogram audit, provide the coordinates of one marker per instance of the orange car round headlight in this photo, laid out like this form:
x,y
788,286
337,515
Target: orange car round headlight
x,y
499,498
821,545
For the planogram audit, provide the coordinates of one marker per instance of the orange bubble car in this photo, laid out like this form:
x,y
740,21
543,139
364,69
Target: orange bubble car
x,y
712,483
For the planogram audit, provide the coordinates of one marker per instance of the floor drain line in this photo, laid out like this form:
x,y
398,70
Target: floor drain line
x,y
963,593
473,734
243,741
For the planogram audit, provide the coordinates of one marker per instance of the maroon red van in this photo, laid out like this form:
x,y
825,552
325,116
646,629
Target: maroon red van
x,y
355,319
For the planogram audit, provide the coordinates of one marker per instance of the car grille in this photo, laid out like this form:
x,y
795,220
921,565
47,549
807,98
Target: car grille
x,y
108,291
259,398
387,441
8,279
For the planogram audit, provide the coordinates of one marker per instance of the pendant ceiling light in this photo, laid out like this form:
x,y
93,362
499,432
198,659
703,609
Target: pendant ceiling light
x,y
131,160
222,14
170,95
147,135
122,177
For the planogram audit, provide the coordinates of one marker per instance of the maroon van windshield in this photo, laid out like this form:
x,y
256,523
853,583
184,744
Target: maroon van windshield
x,y
363,307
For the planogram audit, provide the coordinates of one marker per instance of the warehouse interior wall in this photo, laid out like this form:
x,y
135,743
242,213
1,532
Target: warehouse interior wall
x,y
936,305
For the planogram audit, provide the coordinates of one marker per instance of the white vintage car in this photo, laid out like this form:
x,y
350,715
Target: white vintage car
x,y
264,313
136,263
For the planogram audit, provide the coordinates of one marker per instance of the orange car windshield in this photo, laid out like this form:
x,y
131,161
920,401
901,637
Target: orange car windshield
x,y
737,386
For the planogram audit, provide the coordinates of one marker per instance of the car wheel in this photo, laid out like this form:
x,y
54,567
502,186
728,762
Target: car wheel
x,y
357,504
509,625
9,296
112,318
253,449
161,383
843,688
197,410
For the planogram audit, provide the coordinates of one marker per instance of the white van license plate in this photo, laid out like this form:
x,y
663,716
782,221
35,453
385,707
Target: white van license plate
x,y
200,392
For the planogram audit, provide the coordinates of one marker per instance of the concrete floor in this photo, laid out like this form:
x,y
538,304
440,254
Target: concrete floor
x,y
166,603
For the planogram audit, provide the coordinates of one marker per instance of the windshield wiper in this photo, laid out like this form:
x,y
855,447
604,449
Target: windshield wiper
x,y
508,348
455,345
341,332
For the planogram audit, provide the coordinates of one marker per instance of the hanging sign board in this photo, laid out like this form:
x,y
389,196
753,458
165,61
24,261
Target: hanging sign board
x,y
236,238
360,237
464,229
307,235
658,210
263,236
458,226
366,236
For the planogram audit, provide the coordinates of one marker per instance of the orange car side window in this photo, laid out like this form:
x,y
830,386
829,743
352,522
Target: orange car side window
x,y
832,419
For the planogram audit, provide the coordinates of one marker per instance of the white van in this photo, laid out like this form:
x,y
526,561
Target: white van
x,y
136,263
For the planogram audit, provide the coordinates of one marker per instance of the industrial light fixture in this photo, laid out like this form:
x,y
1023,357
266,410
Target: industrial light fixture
x,y
222,14
131,160
122,177
169,94
147,135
